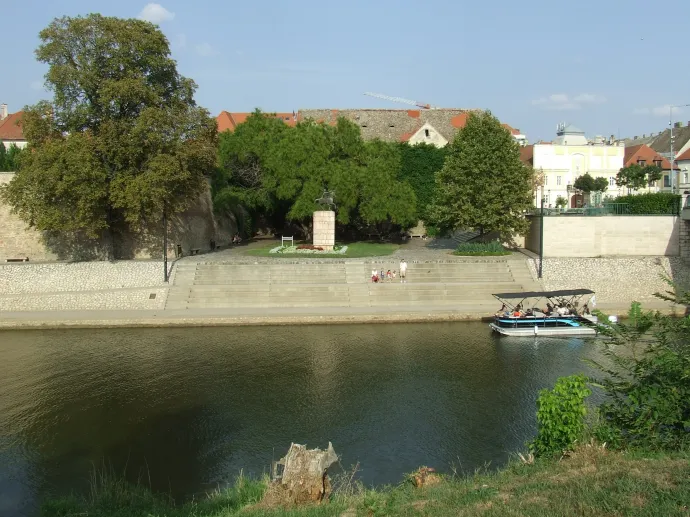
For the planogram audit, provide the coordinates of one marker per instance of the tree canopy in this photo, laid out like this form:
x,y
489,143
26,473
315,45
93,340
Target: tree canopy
x,y
587,184
277,170
636,176
121,142
483,185
9,157
419,165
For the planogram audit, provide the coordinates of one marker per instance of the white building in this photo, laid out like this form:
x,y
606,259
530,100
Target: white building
x,y
683,163
568,157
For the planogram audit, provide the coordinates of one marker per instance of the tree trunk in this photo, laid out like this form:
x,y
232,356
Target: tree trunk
x,y
303,477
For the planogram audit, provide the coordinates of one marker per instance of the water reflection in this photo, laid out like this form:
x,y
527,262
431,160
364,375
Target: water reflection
x,y
189,408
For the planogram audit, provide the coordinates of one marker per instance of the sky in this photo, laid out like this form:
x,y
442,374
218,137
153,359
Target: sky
x,y
609,68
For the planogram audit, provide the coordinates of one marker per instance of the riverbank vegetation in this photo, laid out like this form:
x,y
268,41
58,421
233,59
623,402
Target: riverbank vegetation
x,y
589,481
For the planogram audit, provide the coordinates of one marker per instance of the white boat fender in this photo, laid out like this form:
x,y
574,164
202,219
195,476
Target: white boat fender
x,y
536,330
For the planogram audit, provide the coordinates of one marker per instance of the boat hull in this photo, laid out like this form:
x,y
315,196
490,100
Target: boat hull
x,y
525,331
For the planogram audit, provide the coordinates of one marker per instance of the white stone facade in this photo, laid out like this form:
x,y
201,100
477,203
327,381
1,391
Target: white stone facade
x,y
324,229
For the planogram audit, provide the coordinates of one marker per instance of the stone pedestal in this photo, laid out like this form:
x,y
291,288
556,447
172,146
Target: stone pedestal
x,y
324,229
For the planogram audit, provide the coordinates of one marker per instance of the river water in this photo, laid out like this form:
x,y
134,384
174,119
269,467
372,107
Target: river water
x,y
188,408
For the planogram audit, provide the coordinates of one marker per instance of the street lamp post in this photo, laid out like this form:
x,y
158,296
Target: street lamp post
x,y
673,158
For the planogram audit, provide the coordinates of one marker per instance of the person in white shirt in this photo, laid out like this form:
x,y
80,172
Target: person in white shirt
x,y
403,271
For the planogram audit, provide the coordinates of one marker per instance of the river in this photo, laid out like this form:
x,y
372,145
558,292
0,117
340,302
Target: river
x,y
188,408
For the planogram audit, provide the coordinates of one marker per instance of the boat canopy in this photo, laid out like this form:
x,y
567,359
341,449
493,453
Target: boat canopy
x,y
543,294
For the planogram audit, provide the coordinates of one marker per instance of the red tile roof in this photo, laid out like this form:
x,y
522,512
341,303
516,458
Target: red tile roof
x,y
527,155
10,127
684,156
646,153
228,121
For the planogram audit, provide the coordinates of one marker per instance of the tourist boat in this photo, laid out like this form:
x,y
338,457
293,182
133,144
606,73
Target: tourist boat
x,y
522,314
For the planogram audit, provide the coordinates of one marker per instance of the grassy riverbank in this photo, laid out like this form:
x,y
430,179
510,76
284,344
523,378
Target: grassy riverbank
x,y
590,482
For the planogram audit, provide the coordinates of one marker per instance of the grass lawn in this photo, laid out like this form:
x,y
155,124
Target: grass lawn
x,y
354,250
590,482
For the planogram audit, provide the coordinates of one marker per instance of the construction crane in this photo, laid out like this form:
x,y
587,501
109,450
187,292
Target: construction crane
x,y
400,99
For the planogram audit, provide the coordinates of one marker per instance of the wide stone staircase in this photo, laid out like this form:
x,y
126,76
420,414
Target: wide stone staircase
x,y
463,284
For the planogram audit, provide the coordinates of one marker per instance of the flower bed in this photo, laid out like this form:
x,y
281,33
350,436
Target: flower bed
x,y
308,249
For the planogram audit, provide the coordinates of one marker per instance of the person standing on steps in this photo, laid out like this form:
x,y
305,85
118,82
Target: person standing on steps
x,y
403,271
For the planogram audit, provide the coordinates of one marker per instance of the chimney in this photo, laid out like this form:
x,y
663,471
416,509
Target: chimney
x,y
3,111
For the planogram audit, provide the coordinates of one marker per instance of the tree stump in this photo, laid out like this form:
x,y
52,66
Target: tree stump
x,y
300,477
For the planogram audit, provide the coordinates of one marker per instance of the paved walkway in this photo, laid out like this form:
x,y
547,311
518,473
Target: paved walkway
x,y
272,316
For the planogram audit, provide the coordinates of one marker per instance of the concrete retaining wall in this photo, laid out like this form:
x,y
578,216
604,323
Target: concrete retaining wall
x,y
582,236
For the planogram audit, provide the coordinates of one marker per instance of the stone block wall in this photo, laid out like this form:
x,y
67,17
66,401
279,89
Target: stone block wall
x,y
324,229
605,236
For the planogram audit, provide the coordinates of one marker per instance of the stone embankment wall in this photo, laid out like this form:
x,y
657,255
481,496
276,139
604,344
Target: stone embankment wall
x,y
82,286
192,229
622,236
615,280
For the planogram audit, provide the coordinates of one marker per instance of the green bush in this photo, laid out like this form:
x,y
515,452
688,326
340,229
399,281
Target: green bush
x,y
652,203
560,413
647,382
481,248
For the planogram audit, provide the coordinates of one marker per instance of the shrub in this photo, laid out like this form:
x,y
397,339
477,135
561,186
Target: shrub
x,y
309,247
481,248
647,382
651,203
560,413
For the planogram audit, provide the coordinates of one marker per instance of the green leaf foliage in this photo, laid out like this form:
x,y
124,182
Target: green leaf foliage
x,y
483,185
419,165
586,183
271,168
636,176
10,157
652,203
646,377
121,142
491,248
560,415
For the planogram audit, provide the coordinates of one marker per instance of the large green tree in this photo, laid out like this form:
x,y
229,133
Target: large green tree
x,y
122,143
636,176
483,185
276,170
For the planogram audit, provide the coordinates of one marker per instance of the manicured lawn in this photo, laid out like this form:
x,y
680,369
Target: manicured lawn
x,y
354,250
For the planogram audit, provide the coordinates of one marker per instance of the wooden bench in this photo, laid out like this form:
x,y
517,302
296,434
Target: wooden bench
x,y
26,259
194,251
291,240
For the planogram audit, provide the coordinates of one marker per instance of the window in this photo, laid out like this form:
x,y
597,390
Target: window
x,y
641,163
685,177
657,163
558,180
667,180
546,180
426,133
612,181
